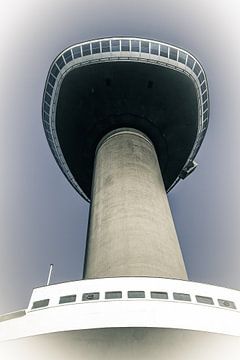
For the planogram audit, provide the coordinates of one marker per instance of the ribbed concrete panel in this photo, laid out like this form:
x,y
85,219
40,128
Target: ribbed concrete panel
x,y
131,231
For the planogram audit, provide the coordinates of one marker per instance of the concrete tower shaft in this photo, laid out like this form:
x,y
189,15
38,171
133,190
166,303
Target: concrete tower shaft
x,y
131,231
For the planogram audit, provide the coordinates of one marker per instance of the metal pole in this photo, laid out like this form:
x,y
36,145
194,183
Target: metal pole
x,y
49,274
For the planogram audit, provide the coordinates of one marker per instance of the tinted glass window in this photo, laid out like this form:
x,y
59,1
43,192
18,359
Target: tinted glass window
x,y
67,56
113,295
51,80
182,57
46,125
205,106
201,77
205,115
40,304
204,300
86,49
197,69
46,117
105,46
164,50
181,296
76,52
47,99
115,45
55,70
136,294
96,47
125,45
145,46
90,296
60,62
49,89
203,87
204,97
154,48
190,62
159,295
135,45
227,303
46,108
67,299
173,54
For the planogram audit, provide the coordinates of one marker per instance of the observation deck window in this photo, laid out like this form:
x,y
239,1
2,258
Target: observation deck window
x,y
201,77
76,52
113,295
55,70
60,62
164,50
197,69
67,299
96,47
159,295
52,80
173,54
105,46
204,300
136,294
125,45
227,303
40,304
181,297
86,49
182,57
90,296
115,45
145,47
67,56
190,62
154,49
135,45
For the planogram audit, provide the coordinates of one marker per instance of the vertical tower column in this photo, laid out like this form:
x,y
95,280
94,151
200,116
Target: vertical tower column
x,y
131,231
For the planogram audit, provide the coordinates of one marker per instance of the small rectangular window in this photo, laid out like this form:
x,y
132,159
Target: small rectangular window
x,y
125,45
96,47
67,56
204,300
173,54
159,295
181,297
154,48
115,45
205,106
203,87
113,295
90,296
204,97
76,52
48,99
190,62
60,62
197,69
49,89
46,107
205,115
182,57
86,49
164,50
51,80
136,294
227,304
201,77
55,70
105,46
135,45
67,299
145,47
40,304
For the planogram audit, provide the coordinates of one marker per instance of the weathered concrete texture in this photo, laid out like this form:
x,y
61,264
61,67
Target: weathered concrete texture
x,y
131,231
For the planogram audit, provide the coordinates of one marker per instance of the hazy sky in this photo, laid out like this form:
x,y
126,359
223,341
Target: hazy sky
x,y
43,219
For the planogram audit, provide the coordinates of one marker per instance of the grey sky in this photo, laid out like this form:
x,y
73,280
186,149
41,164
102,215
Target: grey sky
x,y
43,219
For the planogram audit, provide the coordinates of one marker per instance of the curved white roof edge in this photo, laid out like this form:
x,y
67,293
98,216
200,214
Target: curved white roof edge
x,y
149,51
143,302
